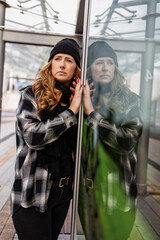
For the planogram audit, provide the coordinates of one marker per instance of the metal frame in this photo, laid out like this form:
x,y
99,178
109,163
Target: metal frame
x,y
45,39
3,5
146,96
80,120
32,38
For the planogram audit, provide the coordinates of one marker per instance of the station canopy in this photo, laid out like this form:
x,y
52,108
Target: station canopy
x,y
110,18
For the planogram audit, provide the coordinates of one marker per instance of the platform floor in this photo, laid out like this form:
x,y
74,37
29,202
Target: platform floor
x,y
147,224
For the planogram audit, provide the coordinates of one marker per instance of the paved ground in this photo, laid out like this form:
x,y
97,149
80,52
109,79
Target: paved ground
x,y
147,225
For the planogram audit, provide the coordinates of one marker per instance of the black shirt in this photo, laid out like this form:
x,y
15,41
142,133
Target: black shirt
x,y
58,156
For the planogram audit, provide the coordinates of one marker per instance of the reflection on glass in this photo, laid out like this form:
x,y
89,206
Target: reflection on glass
x,y
129,64
113,18
112,129
110,136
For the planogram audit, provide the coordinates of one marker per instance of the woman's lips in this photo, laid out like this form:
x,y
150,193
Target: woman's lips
x,y
105,76
61,72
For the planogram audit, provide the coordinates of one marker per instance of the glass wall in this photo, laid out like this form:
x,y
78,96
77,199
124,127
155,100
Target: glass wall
x,y
22,63
42,16
122,91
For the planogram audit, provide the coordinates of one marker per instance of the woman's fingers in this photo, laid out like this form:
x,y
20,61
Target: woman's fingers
x,y
76,98
86,88
92,91
91,85
87,102
71,97
74,84
78,86
72,90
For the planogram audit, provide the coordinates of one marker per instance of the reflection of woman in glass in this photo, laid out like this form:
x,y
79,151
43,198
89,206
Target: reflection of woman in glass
x,y
46,132
109,159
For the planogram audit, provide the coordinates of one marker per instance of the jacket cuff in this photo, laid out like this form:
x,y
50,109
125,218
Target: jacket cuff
x,y
93,118
69,118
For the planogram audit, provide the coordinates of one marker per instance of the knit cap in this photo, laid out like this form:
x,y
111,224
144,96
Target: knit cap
x,y
67,46
100,49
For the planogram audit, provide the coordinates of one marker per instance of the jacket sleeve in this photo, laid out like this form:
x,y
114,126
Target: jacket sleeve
x,y
38,134
124,136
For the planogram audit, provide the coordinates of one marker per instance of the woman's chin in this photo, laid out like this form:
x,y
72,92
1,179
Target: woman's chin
x,y
104,80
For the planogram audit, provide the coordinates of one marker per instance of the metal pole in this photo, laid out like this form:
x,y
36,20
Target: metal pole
x,y
109,16
2,50
44,12
80,121
146,95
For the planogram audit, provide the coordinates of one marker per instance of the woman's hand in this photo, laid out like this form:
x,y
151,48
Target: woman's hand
x,y
91,86
87,103
72,88
76,98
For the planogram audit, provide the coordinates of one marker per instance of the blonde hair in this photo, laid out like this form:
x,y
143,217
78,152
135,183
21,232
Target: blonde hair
x,y
45,94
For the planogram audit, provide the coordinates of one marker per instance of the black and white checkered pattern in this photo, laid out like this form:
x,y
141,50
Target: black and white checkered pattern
x,y
32,183
119,140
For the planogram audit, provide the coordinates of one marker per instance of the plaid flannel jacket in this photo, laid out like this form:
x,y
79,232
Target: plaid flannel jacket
x,y
32,183
122,140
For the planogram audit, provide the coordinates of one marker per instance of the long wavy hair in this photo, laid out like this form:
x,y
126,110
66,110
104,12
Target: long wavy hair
x,y
45,93
118,96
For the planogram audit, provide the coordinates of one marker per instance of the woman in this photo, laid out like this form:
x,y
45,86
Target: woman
x,y
109,148
46,136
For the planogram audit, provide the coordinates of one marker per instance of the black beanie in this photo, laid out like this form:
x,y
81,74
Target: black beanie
x,y
100,49
67,46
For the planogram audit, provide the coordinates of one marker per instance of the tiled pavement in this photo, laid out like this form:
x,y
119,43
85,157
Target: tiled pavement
x,y
7,159
6,227
147,225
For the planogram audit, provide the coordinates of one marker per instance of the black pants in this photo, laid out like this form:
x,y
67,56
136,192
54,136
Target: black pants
x,y
32,225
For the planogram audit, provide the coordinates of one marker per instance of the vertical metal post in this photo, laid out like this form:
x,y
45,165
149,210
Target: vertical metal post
x,y
80,120
2,50
146,94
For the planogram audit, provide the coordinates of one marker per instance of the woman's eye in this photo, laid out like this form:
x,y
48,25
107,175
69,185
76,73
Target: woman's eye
x,y
69,60
99,63
57,59
110,62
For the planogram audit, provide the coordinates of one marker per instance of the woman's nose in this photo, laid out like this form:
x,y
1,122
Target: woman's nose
x,y
105,66
62,63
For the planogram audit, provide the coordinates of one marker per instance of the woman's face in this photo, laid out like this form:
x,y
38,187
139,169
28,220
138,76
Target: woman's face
x,y
102,70
63,68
